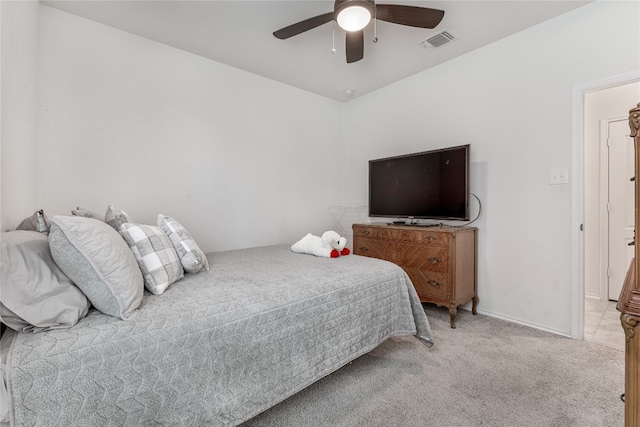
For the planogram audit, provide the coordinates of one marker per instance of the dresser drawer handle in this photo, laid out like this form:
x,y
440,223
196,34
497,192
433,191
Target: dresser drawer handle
x,y
433,283
431,239
364,249
366,232
434,260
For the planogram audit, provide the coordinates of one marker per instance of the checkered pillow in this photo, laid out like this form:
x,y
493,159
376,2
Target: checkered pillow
x,y
155,254
191,256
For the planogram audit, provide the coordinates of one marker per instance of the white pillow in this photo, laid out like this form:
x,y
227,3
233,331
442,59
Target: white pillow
x,y
191,256
95,257
155,255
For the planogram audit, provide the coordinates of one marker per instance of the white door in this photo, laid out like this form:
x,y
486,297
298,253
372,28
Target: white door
x,y
620,205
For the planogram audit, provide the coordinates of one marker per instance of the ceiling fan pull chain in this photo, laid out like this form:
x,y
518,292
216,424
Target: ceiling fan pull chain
x,y
375,24
333,48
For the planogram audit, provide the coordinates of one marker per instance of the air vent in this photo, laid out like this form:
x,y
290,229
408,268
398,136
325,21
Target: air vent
x,y
438,40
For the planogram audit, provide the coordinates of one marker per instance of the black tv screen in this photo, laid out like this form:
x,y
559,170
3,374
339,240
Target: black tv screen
x,y
428,185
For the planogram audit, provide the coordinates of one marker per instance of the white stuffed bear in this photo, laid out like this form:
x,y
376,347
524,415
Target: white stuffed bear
x,y
330,245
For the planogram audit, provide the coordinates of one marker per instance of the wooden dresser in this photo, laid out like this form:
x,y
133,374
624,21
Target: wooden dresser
x,y
629,301
441,261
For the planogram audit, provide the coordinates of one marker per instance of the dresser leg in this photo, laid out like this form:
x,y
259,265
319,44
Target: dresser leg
x,y
452,316
474,305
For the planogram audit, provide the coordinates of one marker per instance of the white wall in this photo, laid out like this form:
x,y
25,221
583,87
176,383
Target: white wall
x,y
19,110
606,104
240,160
512,101
245,161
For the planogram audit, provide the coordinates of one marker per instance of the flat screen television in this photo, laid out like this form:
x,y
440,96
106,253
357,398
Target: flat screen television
x,y
428,185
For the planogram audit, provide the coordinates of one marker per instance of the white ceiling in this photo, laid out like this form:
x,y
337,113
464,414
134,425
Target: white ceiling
x,y
239,33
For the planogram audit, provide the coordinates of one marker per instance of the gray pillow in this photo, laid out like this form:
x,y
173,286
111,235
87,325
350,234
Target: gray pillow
x,y
155,254
99,262
35,293
191,256
115,217
36,222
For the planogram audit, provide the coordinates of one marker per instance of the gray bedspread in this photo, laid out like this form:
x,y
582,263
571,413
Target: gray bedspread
x,y
216,348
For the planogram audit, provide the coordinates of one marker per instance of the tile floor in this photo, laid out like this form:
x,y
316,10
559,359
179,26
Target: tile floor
x,y
602,324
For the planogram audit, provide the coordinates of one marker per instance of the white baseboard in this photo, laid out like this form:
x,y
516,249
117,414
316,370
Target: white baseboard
x,y
518,321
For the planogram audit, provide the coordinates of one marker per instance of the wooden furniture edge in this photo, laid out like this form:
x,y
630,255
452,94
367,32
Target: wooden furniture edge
x,y
629,301
629,307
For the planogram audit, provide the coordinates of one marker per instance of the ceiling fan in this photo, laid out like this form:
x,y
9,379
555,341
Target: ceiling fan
x,y
354,15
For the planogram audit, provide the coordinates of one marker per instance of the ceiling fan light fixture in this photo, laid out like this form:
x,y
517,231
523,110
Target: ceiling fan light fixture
x,y
354,15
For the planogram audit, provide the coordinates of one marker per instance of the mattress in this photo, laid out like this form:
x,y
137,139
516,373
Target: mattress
x,y
216,348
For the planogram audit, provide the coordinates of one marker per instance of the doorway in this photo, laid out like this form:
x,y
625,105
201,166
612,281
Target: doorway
x,y
619,94
617,204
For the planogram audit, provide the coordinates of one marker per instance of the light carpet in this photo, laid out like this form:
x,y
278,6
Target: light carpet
x,y
486,372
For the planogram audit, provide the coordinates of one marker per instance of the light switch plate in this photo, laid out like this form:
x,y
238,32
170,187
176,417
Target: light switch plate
x,y
558,176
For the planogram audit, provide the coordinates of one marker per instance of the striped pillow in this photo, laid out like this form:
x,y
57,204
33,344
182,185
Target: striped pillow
x,y
155,255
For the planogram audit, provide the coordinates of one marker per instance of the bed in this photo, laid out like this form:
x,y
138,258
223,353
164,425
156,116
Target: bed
x,y
215,348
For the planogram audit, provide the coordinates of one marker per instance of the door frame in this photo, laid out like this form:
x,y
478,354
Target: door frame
x,y
577,193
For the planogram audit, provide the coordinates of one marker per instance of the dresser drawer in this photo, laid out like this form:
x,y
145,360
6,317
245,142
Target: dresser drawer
x,y
431,285
433,238
428,268
368,232
398,234
430,258
370,247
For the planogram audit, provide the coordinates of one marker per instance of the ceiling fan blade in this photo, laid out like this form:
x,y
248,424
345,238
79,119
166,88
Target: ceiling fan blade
x,y
355,46
413,16
302,26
